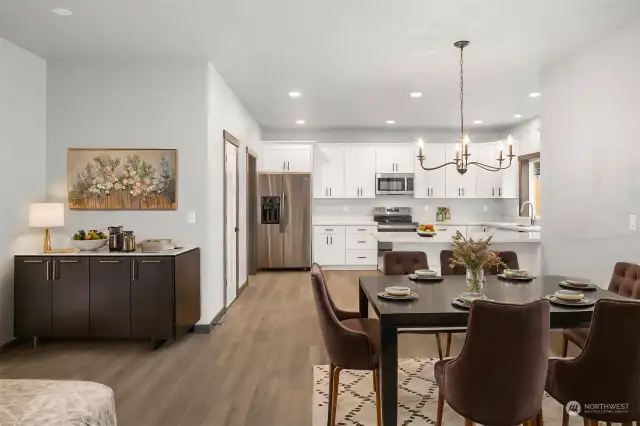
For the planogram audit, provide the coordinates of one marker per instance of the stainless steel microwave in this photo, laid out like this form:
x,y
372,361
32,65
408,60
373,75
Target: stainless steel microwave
x,y
394,184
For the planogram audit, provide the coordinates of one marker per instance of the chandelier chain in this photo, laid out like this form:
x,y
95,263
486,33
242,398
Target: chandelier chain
x,y
461,93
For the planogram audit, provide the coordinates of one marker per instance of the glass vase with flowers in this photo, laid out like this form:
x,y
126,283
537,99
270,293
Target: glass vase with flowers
x,y
475,256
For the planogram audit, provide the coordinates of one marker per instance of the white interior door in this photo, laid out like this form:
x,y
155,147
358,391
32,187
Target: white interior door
x,y
231,161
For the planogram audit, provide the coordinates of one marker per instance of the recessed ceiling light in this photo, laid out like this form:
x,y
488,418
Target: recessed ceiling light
x,y
535,94
477,122
517,116
415,94
300,121
295,94
390,122
62,11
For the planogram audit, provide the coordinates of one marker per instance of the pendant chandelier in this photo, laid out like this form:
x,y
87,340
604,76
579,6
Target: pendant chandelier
x,y
462,150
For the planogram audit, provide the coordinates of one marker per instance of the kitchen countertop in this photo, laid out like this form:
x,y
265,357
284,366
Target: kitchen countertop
x,y
411,237
351,221
105,252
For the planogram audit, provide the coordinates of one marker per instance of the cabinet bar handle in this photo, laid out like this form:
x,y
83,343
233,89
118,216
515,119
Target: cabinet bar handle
x,y
150,261
331,239
109,261
68,261
55,276
328,229
361,242
362,257
500,192
48,274
327,239
363,230
493,191
32,261
133,270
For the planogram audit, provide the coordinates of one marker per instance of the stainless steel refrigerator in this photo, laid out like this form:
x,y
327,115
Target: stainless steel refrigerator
x,y
284,221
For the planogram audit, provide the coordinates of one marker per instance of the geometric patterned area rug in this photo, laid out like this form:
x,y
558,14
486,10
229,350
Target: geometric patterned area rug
x,y
417,398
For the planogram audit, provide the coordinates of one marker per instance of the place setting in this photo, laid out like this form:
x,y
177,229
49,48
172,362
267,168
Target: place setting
x,y
515,275
465,300
425,275
398,293
578,285
570,298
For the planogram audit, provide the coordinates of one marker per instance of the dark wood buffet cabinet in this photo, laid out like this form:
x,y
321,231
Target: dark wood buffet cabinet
x,y
100,295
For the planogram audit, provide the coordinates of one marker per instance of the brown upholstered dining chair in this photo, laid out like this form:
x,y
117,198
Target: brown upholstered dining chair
x,y
352,343
404,262
625,281
510,260
493,387
607,370
445,264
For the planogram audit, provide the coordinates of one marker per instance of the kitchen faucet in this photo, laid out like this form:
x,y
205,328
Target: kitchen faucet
x,y
532,213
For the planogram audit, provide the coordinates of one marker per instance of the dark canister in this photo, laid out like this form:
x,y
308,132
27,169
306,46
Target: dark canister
x,y
116,238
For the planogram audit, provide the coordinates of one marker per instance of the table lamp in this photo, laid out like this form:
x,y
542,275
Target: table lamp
x,y
46,215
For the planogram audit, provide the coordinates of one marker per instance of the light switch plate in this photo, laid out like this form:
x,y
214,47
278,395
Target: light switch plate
x,y
191,217
633,222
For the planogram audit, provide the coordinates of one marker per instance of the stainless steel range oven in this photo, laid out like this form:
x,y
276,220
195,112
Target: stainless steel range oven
x,y
392,219
394,184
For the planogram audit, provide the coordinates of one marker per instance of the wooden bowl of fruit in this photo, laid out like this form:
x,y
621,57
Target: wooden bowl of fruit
x,y
427,230
89,241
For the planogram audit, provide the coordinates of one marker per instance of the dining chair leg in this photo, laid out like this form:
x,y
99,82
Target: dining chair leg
x,y
439,345
537,420
448,350
332,367
468,422
376,381
565,417
440,408
334,395
565,346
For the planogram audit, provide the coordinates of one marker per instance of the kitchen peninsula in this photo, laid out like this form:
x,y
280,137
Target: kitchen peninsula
x,y
102,294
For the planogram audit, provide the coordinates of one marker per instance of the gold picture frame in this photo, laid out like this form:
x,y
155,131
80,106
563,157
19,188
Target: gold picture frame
x,y
122,179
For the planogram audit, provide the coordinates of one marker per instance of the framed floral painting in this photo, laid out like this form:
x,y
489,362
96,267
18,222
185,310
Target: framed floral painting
x,y
122,179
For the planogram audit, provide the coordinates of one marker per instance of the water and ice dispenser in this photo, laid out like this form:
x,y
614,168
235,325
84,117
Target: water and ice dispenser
x,y
270,210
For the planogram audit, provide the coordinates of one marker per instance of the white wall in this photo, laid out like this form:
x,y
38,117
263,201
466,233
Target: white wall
x,y
527,135
22,163
590,158
379,135
224,112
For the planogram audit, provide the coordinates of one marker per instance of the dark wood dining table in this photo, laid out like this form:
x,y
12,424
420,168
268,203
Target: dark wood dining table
x,y
433,309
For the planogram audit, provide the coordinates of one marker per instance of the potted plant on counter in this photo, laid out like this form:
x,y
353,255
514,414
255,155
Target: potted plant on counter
x,y
475,256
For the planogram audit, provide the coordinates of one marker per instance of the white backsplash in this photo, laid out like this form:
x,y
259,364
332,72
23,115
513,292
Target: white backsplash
x,y
424,210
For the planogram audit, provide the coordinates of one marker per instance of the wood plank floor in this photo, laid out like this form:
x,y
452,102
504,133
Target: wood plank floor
x,y
254,369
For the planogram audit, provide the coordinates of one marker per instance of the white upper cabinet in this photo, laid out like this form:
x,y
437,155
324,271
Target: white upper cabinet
x,y
457,185
274,159
299,159
359,171
284,158
489,183
431,184
397,158
328,171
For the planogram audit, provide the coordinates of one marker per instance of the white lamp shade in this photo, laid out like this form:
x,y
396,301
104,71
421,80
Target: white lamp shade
x,y
46,215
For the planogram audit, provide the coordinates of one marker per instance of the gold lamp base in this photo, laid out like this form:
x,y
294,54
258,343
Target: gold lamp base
x,y
47,241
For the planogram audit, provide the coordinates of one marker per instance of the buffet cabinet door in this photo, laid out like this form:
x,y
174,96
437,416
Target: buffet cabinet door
x,y
152,306
69,296
110,287
32,296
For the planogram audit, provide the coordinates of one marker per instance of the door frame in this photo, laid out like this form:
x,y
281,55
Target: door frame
x,y
228,137
251,213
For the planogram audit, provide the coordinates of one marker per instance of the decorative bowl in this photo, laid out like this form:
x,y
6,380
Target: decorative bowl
x,y
569,295
427,234
425,272
88,245
398,291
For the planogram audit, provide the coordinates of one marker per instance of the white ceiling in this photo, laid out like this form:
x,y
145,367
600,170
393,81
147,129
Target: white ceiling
x,y
356,61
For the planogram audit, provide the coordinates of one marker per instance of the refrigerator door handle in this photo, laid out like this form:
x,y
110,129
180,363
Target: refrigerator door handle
x,y
283,210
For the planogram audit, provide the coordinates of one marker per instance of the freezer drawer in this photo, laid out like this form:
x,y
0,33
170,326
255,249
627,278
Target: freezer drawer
x,y
361,242
362,257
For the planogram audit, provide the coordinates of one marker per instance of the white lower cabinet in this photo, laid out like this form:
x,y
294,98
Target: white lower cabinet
x,y
329,249
345,246
362,257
